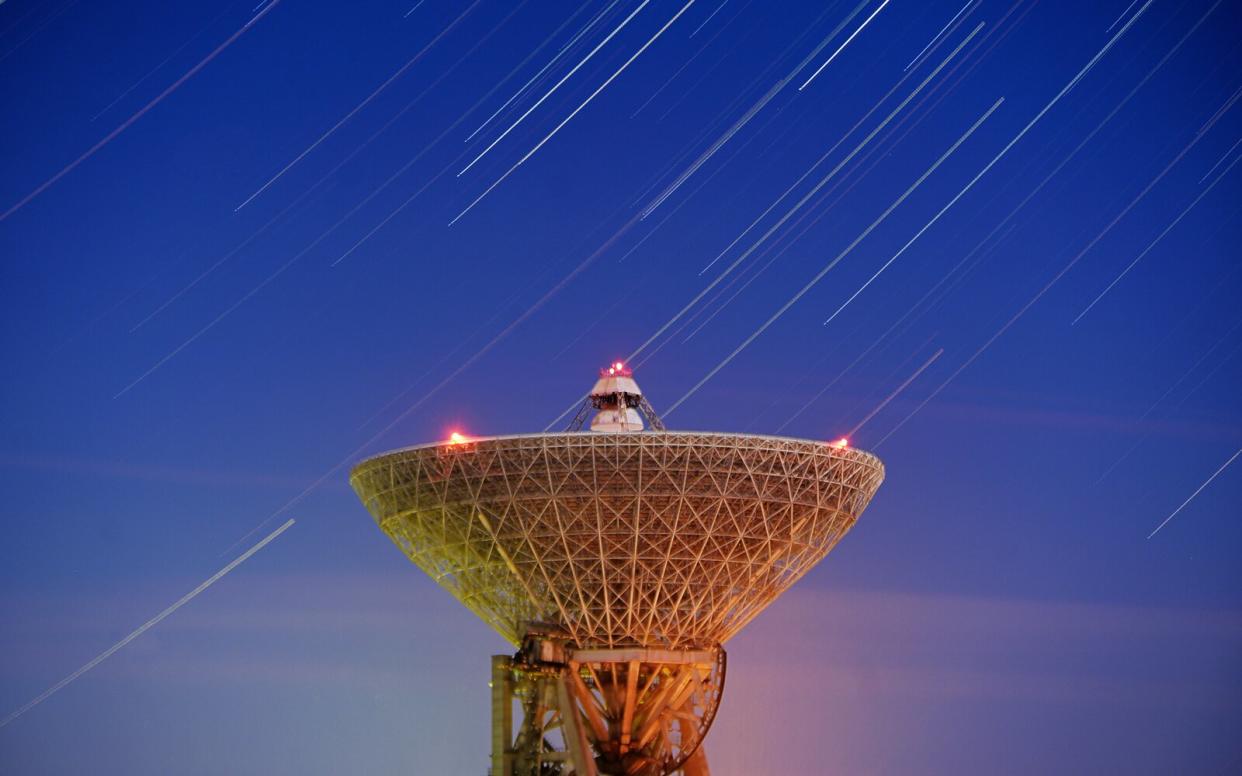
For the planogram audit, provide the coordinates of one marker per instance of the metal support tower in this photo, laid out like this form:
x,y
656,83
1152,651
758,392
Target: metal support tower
x,y
602,712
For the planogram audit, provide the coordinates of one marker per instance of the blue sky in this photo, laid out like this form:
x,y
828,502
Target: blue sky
x,y
178,369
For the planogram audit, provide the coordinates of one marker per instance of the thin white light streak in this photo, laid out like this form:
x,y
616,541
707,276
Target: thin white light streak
x,y
1220,160
366,101
41,26
349,214
716,146
230,254
1164,396
828,61
1103,122
742,93
822,182
716,281
340,164
167,59
1153,243
910,311
607,313
1215,474
297,257
576,110
708,19
965,189
669,81
835,146
414,159
719,309
1211,373
427,394
558,85
1119,18
601,14
138,113
415,8
348,158
1039,294
13,23
395,211
590,23
750,114
773,256
146,626
845,252
1005,150
649,354
850,434
708,127
937,36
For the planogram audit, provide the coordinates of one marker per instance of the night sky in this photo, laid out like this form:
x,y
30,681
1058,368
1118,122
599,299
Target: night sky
x,y
188,364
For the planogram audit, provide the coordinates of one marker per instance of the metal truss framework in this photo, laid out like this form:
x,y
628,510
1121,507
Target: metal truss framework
x,y
591,403
671,540
637,712
620,563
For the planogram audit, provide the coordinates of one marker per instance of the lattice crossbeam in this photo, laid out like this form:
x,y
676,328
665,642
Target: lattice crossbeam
x,y
665,539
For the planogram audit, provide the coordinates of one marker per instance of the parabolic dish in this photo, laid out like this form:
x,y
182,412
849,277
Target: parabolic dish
x,y
656,539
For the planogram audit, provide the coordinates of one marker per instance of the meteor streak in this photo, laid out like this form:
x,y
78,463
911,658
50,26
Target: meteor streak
x,y
716,146
710,16
841,48
1215,474
46,21
716,281
845,252
426,395
13,25
166,60
366,101
1223,158
349,214
531,55
1103,122
558,85
750,114
1122,16
348,158
919,55
1039,294
1069,86
576,110
835,146
148,625
284,267
139,113
668,82
1152,244
1165,395
972,182
850,434
798,205
893,327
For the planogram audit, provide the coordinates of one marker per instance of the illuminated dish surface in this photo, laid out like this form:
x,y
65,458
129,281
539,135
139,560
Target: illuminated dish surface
x,y
663,539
